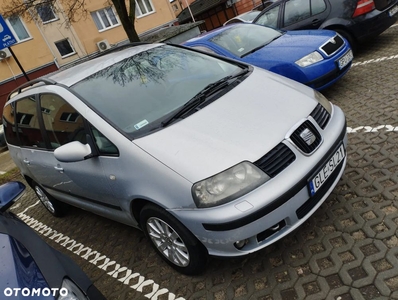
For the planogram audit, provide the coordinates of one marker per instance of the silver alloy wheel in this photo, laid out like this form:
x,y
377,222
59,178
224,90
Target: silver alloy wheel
x,y
44,199
168,242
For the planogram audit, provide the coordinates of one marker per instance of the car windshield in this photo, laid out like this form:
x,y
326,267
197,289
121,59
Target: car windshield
x,y
139,92
244,38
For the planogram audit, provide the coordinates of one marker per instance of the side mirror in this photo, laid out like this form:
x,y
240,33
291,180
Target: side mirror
x,y
9,193
72,152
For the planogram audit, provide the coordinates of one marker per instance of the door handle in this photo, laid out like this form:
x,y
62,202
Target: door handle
x,y
60,169
26,161
315,22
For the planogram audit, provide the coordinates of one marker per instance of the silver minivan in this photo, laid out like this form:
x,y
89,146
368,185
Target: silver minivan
x,y
206,155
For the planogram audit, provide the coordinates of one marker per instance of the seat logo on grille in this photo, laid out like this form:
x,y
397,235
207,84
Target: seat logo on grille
x,y
333,41
308,136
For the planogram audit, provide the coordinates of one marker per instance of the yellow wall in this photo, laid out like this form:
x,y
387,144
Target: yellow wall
x,y
89,34
83,35
31,54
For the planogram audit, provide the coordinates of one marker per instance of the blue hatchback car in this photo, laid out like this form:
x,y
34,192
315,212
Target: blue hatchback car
x,y
317,58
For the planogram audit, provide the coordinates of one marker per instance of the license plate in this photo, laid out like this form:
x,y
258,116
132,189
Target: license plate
x,y
393,11
345,59
319,179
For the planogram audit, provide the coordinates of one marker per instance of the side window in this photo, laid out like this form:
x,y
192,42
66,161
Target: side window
x,y
295,11
105,146
63,124
9,125
317,6
270,18
28,123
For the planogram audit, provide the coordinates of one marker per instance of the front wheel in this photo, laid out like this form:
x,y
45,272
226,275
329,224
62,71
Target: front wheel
x,y
172,241
56,208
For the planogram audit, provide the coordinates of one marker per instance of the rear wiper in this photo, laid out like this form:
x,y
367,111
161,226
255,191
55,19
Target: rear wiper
x,y
203,95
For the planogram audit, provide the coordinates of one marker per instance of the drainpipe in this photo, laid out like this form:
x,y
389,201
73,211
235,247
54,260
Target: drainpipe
x,y
189,8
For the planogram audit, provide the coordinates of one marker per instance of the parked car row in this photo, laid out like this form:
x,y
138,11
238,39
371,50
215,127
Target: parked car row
x,y
317,58
355,20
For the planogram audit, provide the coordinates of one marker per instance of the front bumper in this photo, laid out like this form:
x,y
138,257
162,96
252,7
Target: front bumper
x,y
273,210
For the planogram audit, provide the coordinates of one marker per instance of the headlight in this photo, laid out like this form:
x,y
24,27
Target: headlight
x,y
228,185
70,291
323,101
309,59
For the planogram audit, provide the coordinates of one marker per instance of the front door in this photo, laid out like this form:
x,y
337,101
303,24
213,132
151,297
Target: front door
x,y
84,180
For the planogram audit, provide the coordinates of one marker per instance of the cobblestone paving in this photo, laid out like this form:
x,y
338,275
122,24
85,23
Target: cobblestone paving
x,y
347,250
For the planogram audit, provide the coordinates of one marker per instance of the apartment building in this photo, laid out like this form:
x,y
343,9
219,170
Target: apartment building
x,y
48,41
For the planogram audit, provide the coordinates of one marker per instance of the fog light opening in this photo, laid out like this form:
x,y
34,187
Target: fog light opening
x,y
240,244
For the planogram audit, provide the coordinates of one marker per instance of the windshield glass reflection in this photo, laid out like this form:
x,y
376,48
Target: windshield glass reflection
x,y
137,93
244,38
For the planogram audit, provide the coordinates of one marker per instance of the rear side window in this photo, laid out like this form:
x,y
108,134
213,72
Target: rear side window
x,y
28,123
296,11
270,18
9,125
62,123
317,6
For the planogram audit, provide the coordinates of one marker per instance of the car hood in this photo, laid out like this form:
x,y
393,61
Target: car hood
x,y
242,125
18,269
291,46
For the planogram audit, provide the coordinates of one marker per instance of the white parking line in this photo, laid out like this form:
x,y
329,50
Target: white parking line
x,y
375,60
113,269
380,128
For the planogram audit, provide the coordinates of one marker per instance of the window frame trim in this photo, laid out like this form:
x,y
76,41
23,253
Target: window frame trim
x,y
69,54
146,14
104,28
56,18
14,32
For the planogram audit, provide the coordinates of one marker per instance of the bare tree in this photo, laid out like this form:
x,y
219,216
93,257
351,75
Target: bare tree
x,y
74,11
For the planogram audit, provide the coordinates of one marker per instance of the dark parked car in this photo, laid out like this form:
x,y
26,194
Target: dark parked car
x,y
31,269
356,20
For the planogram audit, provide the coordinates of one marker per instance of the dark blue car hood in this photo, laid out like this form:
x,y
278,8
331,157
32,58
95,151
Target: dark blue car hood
x,y
291,46
18,269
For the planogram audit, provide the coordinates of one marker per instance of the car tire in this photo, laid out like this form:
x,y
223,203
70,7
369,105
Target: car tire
x,y
55,207
349,38
172,241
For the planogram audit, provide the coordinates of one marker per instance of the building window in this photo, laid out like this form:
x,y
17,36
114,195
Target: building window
x,y
46,13
105,18
65,48
18,29
143,7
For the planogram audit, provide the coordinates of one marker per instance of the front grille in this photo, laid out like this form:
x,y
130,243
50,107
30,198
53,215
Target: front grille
x,y
276,160
300,142
329,48
321,116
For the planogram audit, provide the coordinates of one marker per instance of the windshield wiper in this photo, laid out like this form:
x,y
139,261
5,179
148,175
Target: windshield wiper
x,y
203,95
261,46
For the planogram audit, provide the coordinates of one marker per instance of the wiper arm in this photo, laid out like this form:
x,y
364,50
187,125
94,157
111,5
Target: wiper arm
x,y
203,95
261,46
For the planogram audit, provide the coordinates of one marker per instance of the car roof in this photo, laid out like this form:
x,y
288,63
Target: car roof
x,y
77,73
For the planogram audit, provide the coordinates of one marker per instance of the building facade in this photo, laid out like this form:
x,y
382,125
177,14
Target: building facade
x,y
48,41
